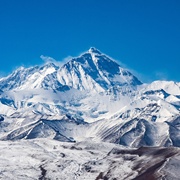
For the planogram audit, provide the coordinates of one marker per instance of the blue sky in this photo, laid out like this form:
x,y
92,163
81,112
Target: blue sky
x,y
142,34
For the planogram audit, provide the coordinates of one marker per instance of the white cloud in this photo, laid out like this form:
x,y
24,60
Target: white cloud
x,y
48,59
66,59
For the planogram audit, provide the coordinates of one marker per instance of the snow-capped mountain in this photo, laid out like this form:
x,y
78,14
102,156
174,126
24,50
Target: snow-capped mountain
x,y
27,78
90,96
94,71
88,119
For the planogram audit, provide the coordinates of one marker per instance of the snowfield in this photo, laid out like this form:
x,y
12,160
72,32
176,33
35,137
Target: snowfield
x,y
51,159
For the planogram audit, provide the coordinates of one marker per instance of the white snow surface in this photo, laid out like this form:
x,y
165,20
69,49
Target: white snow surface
x,y
87,160
96,98
68,122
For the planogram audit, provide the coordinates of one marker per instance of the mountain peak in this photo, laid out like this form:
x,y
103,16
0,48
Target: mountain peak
x,y
94,50
50,65
94,70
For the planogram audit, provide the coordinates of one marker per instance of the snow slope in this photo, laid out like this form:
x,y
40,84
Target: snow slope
x,y
91,96
94,71
42,159
88,119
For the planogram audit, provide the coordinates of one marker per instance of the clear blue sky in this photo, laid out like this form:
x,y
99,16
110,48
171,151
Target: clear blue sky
x,y
142,34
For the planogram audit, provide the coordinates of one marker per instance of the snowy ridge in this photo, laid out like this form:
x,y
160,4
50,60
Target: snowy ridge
x,y
89,97
88,119
94,70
